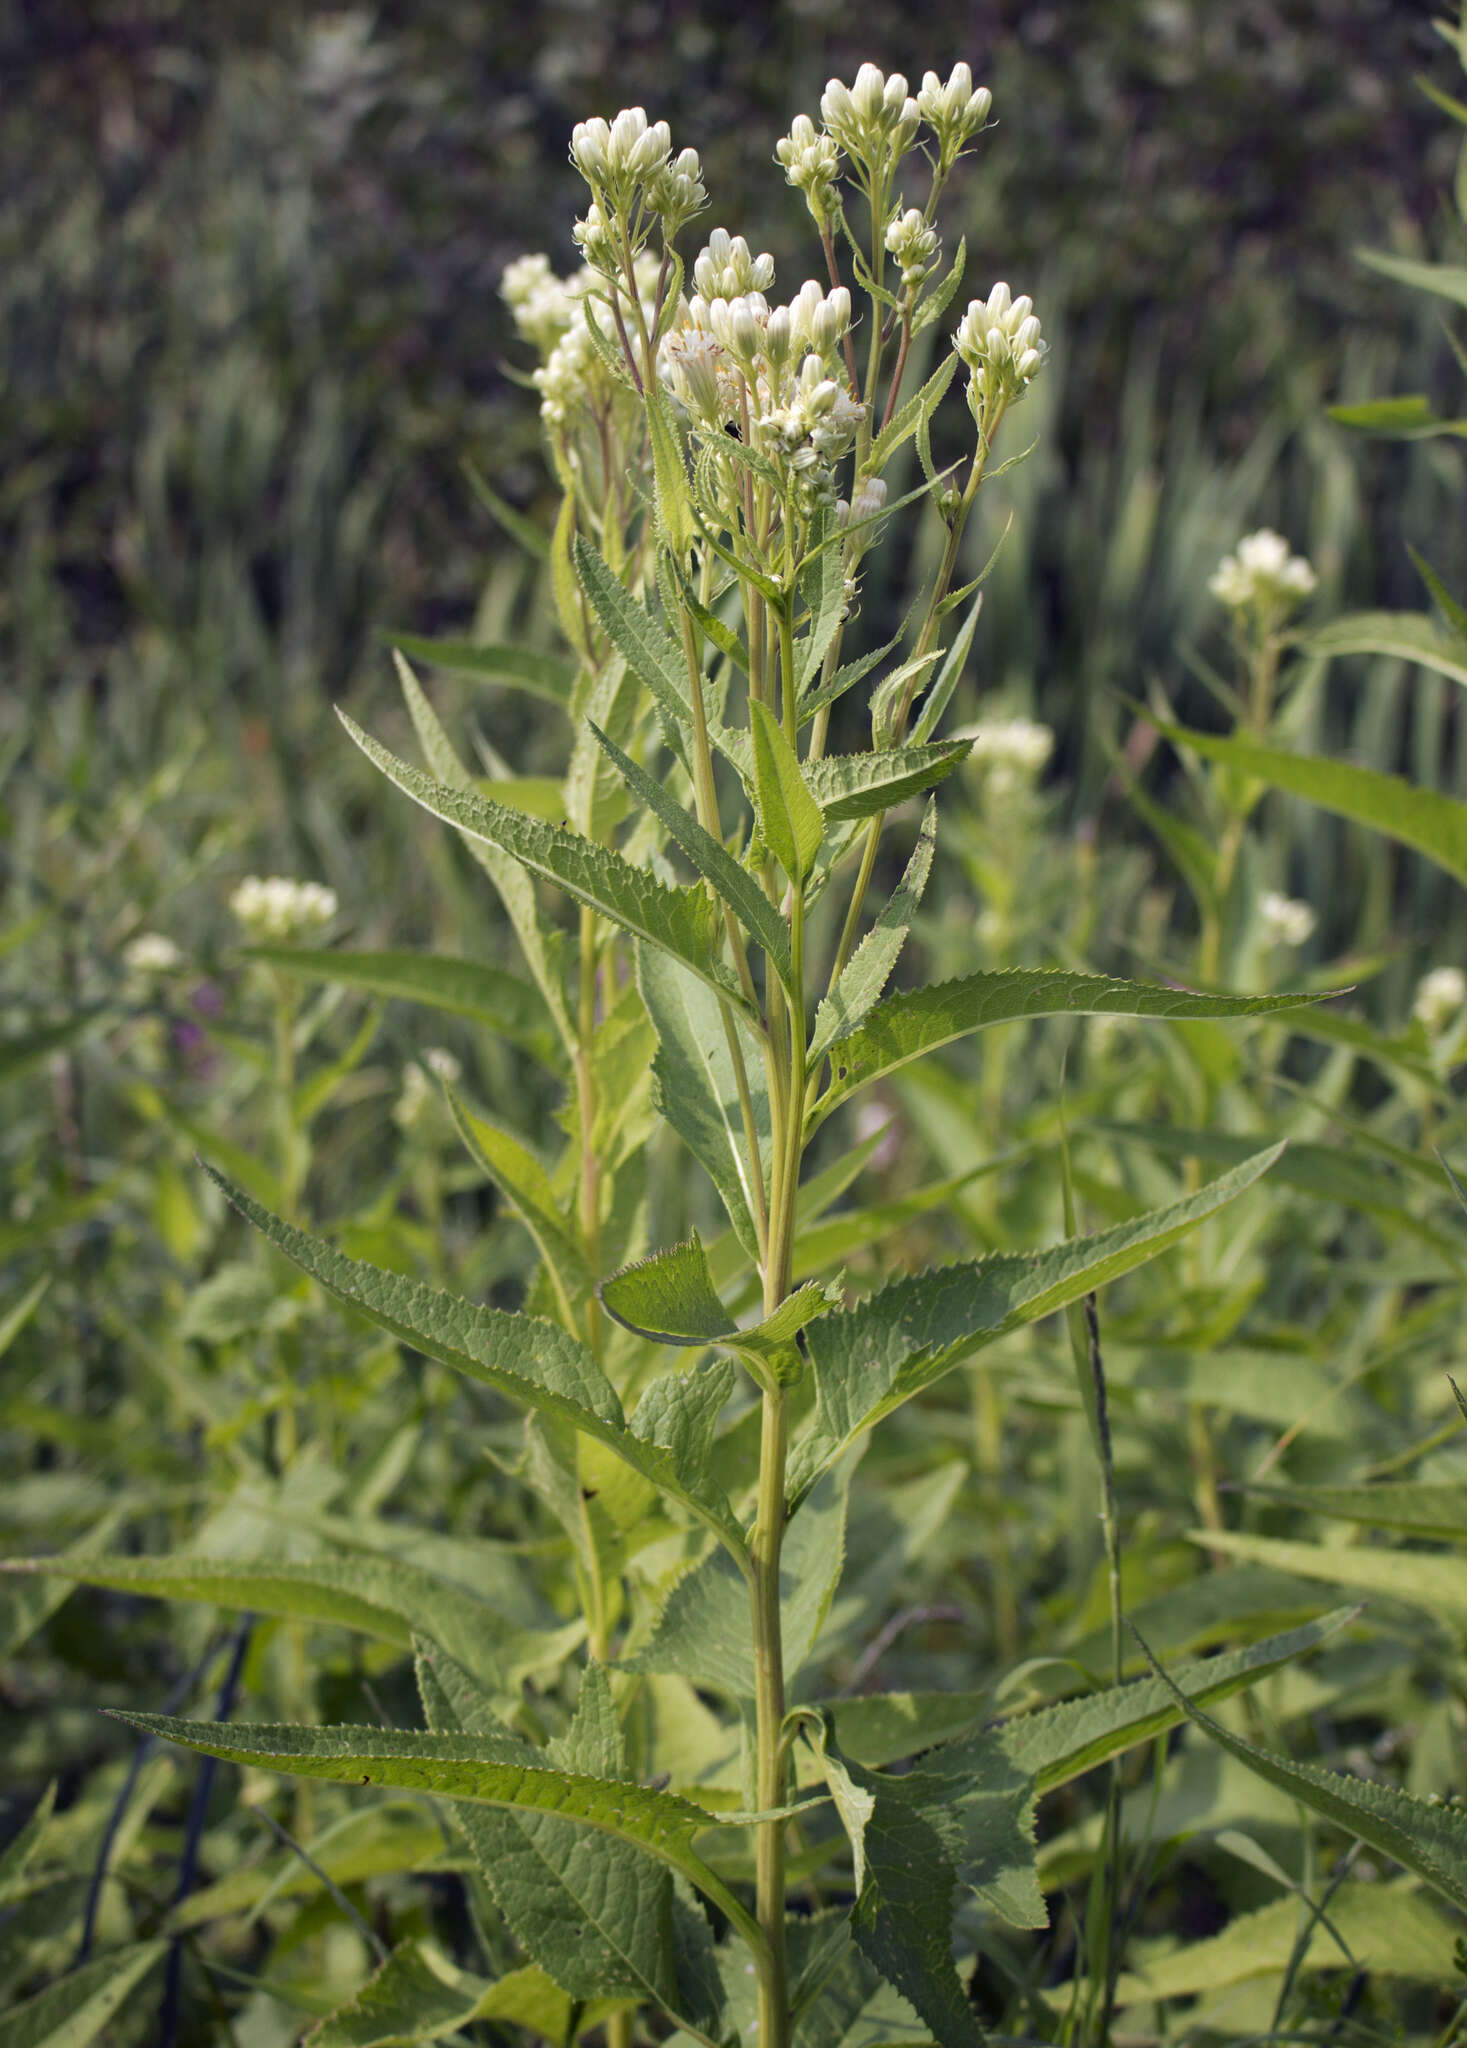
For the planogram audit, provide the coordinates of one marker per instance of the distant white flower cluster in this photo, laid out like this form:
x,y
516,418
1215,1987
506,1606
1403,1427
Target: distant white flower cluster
x,y
418,1090
1010,754
151,953
999,340
1262,574
1440,997
1285,920
281,908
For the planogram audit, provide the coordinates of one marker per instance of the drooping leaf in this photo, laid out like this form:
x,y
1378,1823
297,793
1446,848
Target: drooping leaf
x,y
543,1368
1430,1579
869,968
546,676
864,785
1433,824
903,1027
489,1768
789,818
1430,1841
869,1359
1410,636
670,1297
679,921
733,883
73,2011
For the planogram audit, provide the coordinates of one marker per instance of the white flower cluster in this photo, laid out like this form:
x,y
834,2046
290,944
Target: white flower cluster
x,y
280,908
954,112
1009,755
999,340
418,1091
874,121
1440,997
151,953
1285,920
725,269
914,245
811,163
543,304
551,313
1262,575
634,179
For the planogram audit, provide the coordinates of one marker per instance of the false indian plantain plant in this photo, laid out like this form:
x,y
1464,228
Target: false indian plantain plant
x,y
670,1817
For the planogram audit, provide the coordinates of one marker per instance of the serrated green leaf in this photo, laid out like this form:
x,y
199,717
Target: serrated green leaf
x,y
704,1632
863,785
491,1769
1410,636
679,921
923,403
526,1185
463,988
1430,1841
73,2011
674,507
903,1027
869,968
546,676
1433,824
1419,1507
870,1359
375,1596
695,1088
854,1803
644,643
418,1995
1428,1579
937,301
671,1299
543,1368
540,945
733,883
789,819
824,591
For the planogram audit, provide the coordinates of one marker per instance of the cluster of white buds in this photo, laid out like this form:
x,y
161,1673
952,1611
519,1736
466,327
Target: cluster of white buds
x,y
543,304
1009,756
418,1090
151,953
564,378
617,156
999,340
1440,997
1285,920
811,163
725,269
1262,575
677,192
280,908
814,420
954,112
875,121
914,245
868,503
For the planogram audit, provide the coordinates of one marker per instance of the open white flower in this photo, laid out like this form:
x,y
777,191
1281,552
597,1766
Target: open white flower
x,y
1440,997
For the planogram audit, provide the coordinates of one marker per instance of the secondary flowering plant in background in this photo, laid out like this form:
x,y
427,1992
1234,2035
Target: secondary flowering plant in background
x,y
696,1411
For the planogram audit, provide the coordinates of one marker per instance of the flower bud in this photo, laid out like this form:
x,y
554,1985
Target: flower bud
x,y
811,164
954,111
676,192
914,245
1262,576
590,144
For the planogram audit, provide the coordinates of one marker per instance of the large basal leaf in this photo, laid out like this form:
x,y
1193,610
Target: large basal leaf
x,y
418,1995
488,1768
529,1361
375,1596
1411,636
546,676
679,921
694,1084
1430,1841
864,785
869,968
464,988
869,1359
1429,1579
903,1027
72,2012
1431,823
592,1911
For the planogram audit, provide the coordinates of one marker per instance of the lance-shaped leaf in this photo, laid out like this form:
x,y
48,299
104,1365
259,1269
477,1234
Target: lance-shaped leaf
x,y
679,921
540,944
531,1362
921,405
499,1770
670,1297
644,643
870,1359
592,1911
1430,1841
1432,1580
789,818
1410,636
734,883
695,1087
72,2012
546,676
464,988
526,1185
823,587
375,1596
1420,1507
863,785
950,674
1433,824
905,1026
869,968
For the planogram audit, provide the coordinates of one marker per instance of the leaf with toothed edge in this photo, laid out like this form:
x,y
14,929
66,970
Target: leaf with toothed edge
x,y
670,1298
849,786
869,968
